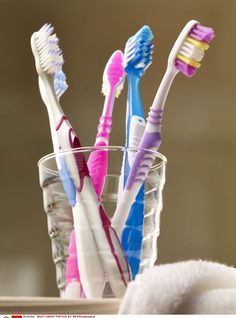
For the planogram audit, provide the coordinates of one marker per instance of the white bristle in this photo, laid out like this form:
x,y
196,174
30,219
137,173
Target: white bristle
x,y
192,52
131,43
147,66
106,86
60,84
128,59
130,53
138,47
120,87
106,82
140,65
49,53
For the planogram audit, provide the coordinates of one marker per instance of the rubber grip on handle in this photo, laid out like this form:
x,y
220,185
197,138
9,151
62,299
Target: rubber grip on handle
x,y
98,159
97,165
143,159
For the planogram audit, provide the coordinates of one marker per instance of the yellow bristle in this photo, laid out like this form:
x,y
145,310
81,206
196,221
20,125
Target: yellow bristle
x,y
188,61
201,45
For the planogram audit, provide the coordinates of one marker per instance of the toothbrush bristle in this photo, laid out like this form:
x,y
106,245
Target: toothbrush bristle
x,y
50,55
193,49
202,33
114,73
60,84
138,51
185,68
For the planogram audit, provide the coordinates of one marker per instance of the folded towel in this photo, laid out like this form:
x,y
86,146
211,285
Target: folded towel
x,y
191,287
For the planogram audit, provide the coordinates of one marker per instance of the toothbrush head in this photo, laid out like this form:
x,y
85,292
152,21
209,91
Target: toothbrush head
x,y
60,84
114,74
189,48
48,56
138,52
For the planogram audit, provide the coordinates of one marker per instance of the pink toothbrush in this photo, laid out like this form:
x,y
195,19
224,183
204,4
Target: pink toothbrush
x,y
113,82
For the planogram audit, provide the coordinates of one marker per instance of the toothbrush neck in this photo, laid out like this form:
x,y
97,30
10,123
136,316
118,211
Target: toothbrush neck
x,y
109,101
54,109
163,90
134,103
154,120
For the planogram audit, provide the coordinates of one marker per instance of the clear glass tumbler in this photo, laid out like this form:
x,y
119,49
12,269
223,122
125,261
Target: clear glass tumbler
x,y
143,232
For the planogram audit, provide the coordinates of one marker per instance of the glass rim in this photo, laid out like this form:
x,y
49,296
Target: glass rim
x,y
90,148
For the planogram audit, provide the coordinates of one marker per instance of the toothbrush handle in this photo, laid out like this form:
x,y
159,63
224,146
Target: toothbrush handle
x,y
151,138
163,90
134,130
88,257
135,122
143,160
132,235
107,243
138,172
98,159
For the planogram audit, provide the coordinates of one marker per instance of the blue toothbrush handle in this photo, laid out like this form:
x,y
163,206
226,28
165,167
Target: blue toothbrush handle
x,y
132,234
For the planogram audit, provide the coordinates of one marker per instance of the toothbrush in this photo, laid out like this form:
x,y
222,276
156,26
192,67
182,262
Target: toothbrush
x,y
185,57
73,285
43,44
113,82
138,57
93,234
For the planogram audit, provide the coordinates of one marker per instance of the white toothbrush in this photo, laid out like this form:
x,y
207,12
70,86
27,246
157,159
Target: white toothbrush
x,y
73,287
98,250
47,65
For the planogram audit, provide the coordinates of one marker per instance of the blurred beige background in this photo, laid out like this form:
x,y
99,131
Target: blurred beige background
x,y
199,132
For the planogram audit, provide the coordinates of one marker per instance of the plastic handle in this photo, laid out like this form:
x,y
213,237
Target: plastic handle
x,y
132,234
138,172
150,140
106,240
89,261
137,126
134,129
98,159
163,90
143,159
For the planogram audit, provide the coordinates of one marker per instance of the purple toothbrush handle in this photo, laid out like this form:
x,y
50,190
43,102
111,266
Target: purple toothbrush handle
x,y
98,159
144,159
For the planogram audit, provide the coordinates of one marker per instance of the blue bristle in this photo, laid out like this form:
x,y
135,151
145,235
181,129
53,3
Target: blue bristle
x,y
60,84
138,51
145,33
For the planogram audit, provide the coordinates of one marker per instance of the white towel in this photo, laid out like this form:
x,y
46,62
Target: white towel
x,y
191,287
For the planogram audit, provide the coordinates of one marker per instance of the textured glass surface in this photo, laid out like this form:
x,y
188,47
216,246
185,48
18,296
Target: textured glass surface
x,y
60,218
60,222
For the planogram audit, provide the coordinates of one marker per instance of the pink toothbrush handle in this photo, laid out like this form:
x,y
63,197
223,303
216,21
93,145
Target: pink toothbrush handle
x,y
72,271
98,160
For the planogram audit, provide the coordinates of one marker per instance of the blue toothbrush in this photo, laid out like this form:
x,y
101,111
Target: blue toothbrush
x,y
138,57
